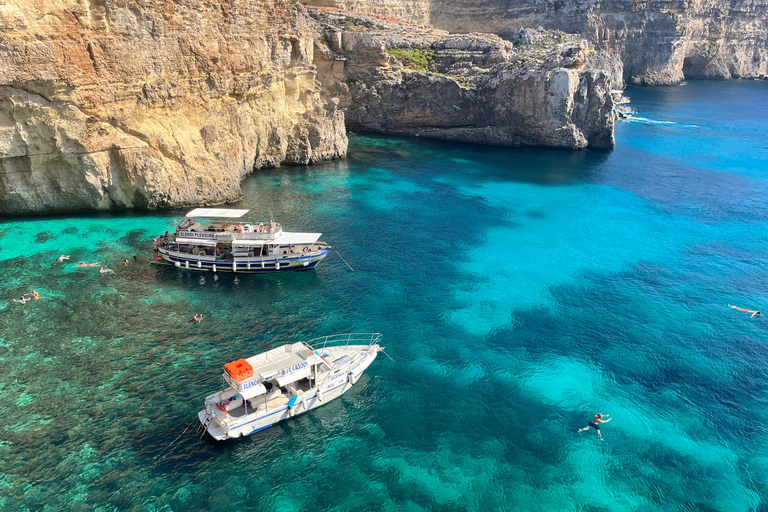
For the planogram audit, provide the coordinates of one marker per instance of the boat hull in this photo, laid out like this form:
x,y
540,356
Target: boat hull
x,y
223,427
262,265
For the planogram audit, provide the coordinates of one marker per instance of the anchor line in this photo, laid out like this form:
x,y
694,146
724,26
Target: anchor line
x,y
336,249
156,460
389,356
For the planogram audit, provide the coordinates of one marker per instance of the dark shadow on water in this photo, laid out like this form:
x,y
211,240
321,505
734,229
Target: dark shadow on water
x,y
540,166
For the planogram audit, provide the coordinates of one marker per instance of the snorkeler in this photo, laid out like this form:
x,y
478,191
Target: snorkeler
x,y
595,423
746,311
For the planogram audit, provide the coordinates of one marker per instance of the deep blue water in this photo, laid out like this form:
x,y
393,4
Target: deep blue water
x,y
519,291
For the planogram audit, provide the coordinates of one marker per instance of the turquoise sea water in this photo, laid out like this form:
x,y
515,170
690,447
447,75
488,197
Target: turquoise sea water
x,y
518,291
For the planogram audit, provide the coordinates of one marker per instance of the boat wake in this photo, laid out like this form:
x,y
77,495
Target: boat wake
x,y
644,120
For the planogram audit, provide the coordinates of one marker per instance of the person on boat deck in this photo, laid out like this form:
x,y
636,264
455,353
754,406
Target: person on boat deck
x,y
271,226
595,423
260,229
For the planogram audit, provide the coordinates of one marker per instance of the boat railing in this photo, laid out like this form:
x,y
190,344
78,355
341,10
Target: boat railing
x,y
343,340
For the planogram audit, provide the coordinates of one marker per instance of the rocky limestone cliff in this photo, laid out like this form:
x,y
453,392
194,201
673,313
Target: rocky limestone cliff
x,y
110,104
638,41
472,88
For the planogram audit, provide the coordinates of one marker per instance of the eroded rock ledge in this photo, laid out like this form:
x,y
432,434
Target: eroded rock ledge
x,y
127,104
478,88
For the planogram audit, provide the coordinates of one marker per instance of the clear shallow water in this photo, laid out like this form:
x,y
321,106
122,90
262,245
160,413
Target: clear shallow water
x,y
519,292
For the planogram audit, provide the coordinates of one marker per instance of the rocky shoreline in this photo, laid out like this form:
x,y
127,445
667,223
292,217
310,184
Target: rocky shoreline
x,y
534,91
114,105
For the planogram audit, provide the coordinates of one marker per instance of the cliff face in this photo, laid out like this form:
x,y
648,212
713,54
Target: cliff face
x,y
638,41
658,42
119,103
472,88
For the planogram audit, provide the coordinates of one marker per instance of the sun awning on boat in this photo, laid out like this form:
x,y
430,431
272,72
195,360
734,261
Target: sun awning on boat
x,y
297,238
250,243
253,391
282,380
196,241
219,213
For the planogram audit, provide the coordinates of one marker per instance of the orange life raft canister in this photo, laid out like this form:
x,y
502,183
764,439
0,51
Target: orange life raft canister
x,y
239,370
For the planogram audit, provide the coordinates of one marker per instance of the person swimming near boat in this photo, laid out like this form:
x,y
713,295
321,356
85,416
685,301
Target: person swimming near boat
x,y
84,264
197,317
23,300
595,423
103,270
62,257
32,295
126,263
747,311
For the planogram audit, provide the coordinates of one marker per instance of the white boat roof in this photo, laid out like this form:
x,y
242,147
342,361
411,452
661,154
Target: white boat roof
x,y
297,238
220,213
285,364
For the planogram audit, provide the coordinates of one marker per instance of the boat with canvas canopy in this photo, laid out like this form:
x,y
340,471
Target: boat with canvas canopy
x,y
225,244
286,381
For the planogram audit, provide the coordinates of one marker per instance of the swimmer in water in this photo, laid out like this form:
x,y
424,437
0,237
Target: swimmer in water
x,y
84,264
746,311
22,301
198,317
103,270
595,423
62,257
33,295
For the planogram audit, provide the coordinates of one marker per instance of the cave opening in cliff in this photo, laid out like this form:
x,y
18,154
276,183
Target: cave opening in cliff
x,y
694,65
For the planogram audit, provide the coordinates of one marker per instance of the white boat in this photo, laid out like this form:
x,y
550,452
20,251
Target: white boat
x,y
286,381
231,246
